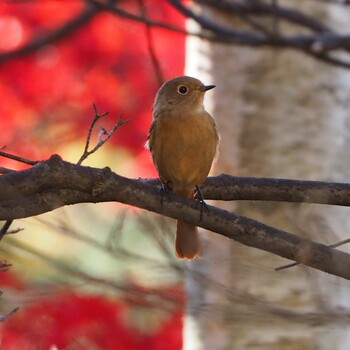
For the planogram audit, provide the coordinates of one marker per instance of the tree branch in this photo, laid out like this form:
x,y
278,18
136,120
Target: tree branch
x,y
228,188
317,45
320,44
54,183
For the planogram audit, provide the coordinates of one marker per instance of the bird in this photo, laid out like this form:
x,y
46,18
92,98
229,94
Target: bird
x,y
183,140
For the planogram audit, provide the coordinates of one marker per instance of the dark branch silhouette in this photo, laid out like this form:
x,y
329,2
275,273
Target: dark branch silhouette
x,y
310,36
55,183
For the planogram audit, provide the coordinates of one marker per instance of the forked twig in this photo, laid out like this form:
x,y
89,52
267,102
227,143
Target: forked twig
x,y
103,132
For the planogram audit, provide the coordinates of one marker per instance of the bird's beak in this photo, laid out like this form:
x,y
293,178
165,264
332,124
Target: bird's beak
x,y
207,87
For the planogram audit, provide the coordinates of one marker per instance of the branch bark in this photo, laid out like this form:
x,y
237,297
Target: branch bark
x,y
55,183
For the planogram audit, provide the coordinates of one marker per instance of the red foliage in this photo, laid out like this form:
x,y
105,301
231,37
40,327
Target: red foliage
x,y
72,321
48,94
47,99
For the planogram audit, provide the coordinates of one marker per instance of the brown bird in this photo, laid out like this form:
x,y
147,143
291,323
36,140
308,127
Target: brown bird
x,y
183,140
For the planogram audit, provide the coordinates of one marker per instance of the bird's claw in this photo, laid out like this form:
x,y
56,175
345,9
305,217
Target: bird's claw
x,y
200,198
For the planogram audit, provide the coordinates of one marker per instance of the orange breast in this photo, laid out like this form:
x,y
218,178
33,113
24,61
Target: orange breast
x,y
183,149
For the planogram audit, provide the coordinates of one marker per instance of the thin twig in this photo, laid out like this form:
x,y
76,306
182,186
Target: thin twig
x,y
151,49
5,316
103,132
16,230
132,295
17,158
131,16
97,117
334,245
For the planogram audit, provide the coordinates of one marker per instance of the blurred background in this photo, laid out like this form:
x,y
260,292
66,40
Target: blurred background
x,y
104,276
89,276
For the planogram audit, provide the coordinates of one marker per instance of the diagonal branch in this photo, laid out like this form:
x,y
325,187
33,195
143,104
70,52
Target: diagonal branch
x,y
54,183
260,8
316,45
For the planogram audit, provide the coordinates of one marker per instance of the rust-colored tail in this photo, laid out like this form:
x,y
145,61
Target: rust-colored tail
x,y
187,243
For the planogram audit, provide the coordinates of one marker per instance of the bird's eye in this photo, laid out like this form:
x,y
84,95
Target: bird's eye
x,y
183,90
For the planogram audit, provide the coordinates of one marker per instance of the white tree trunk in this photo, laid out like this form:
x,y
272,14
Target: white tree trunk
x,y
280,114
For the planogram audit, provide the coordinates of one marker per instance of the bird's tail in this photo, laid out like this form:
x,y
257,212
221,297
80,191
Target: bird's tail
x,y
187,243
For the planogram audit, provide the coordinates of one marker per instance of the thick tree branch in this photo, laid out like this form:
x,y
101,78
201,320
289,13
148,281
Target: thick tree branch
x,y
54,183
228,188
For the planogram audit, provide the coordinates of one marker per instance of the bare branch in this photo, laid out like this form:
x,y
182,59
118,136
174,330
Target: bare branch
x,y
103,135
228,188
151,50
134,17
7,315
54,183
18,158
303,42
259,8
318,45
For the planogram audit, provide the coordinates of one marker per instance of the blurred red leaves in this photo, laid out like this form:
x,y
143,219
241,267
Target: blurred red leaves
x,y
46,102
68,320
72,321
47,95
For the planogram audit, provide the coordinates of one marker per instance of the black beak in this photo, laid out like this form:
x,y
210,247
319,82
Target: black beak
x,y
207,87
